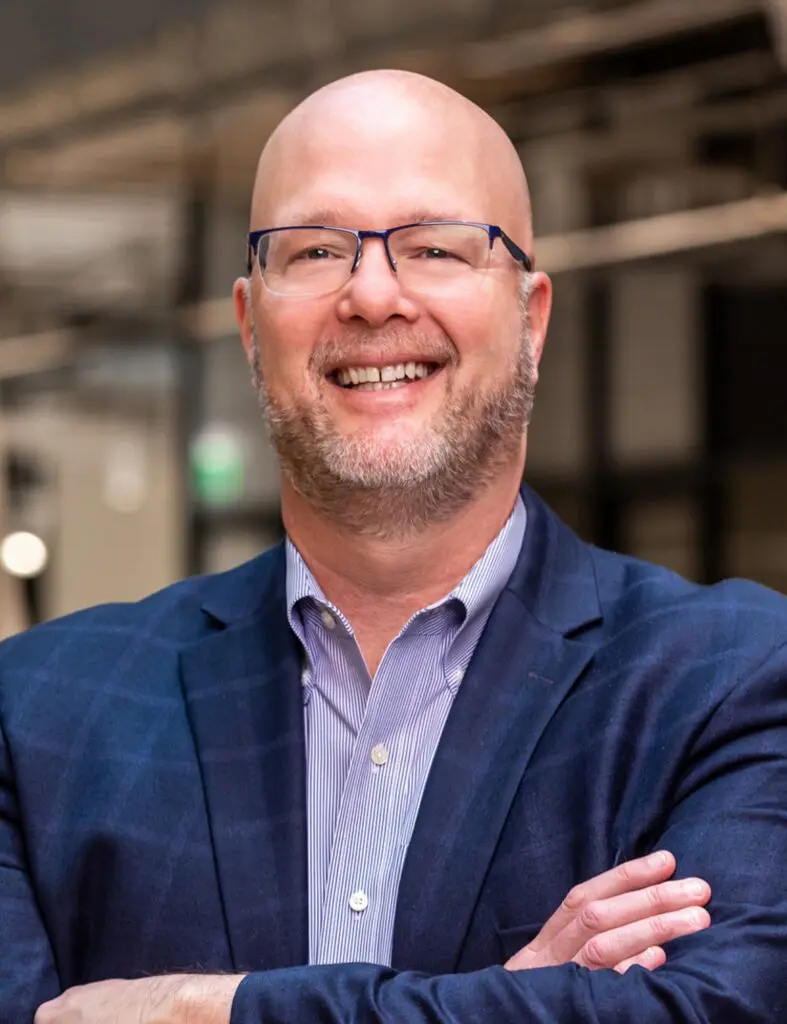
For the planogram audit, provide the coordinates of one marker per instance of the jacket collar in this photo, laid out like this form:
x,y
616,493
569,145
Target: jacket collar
x,y
554,577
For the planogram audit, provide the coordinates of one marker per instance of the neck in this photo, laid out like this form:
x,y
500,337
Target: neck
x,y
379,584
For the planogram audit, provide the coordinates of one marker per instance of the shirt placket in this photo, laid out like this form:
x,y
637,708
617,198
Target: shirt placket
x,y
375,807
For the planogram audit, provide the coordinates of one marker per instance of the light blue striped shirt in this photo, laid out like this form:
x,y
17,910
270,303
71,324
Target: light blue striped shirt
x,y
370,743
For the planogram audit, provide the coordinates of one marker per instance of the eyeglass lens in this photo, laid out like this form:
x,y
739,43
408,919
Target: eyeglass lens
x,y
314,261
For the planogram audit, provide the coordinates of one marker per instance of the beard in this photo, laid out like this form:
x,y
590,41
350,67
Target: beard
x,y
388,488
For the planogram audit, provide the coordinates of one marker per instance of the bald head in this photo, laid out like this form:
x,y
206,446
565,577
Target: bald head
x,y
384,144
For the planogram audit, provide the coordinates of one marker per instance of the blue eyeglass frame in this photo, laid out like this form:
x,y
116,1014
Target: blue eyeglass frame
x,y
493,231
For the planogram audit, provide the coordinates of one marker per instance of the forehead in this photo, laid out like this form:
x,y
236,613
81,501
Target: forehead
x,y
377,168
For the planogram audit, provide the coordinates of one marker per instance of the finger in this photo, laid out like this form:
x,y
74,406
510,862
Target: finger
x,y
602,916
50,1011
626,877
650,959
615,946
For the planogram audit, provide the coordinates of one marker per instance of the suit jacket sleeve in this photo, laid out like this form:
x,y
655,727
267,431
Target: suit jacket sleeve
x,y
727,823
28,976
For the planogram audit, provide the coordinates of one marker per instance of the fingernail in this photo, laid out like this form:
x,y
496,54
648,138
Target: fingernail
x,y
658,860
694,887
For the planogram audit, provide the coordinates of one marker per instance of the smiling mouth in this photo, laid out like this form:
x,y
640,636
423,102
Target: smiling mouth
x,y
379,378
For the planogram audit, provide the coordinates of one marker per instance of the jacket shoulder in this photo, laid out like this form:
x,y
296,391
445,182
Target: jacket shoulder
x,y
90,640
648,601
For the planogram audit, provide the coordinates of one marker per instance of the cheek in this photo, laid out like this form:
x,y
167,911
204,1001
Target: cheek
x,y
286,339
485,331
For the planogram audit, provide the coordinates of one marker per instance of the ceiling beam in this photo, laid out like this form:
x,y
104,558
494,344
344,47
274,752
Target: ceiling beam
x,y
586,34
644,140
198,67
665,235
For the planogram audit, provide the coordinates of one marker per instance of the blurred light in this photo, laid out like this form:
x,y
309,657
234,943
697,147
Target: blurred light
x,y
218,464
125,485
23,555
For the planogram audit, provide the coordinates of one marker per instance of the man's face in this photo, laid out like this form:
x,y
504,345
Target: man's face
x,y
425,444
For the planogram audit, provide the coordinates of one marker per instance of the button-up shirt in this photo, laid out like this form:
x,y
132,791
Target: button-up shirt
x,y
370,743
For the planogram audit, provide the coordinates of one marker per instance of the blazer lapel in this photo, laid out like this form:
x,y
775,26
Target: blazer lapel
x,y
523,668
243,692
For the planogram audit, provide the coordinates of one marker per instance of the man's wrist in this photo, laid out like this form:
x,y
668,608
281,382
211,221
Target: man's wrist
x,y
204,998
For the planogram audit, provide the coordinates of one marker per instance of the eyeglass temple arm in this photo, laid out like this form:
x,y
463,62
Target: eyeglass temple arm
x,y
519,254
252,242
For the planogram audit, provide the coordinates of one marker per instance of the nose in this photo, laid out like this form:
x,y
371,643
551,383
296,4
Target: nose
x,y
373,293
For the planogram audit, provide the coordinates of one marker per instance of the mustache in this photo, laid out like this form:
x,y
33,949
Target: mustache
x,y
356,346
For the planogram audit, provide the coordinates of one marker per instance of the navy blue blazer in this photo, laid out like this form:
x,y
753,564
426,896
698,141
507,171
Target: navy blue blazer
x,y
152,798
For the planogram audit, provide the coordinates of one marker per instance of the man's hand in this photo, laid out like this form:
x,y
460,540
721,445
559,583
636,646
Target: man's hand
x,y
620,919
170,999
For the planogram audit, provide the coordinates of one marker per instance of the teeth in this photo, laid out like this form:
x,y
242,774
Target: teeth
x,y
393,374
379,386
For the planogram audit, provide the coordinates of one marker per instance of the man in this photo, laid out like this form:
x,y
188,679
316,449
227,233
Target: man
x,y
435,759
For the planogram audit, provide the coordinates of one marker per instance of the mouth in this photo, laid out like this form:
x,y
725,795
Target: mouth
x,y
382,378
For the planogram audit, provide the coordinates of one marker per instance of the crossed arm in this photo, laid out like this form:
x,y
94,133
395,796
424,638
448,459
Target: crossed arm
x,y
728,824
617,920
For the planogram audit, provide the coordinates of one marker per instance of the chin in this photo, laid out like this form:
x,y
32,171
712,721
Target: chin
x,y
387,441
393,460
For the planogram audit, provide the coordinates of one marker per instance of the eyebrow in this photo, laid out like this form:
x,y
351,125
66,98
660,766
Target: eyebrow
x,y
330,217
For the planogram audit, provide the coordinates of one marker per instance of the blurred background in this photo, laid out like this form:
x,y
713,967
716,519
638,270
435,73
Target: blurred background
x,y
654,133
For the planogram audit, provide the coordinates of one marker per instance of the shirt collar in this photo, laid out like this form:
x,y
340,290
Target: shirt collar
x,y
476,592
481,587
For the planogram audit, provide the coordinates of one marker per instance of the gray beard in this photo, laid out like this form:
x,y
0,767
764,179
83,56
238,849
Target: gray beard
x,y
403,489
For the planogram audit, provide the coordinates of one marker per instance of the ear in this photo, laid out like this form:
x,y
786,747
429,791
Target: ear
x,y
539,308
241,298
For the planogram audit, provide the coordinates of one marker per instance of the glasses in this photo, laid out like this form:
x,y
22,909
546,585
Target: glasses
x,y
308,261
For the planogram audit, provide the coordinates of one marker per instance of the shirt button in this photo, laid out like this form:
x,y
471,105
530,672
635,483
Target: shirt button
x,y
327,619
379,755
359,901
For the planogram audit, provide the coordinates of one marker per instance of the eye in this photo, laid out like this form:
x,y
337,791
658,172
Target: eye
x,y
313,254
433,253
